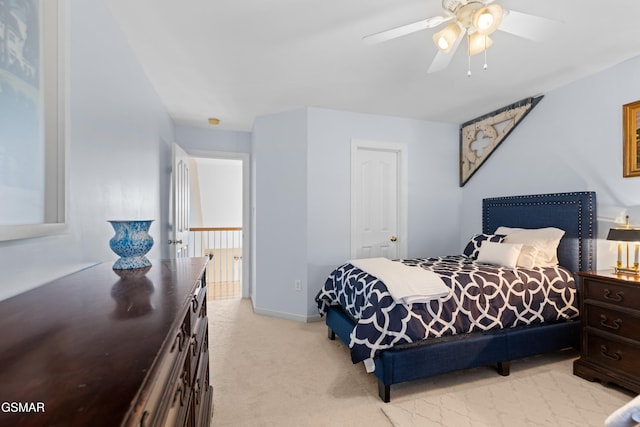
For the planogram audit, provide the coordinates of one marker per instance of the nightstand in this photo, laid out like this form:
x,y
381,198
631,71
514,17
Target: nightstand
x,y
610,328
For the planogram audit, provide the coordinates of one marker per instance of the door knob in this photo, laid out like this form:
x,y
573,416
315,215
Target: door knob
x,y
393,238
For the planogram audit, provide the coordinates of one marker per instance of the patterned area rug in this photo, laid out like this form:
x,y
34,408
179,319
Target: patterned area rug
x,y
541,399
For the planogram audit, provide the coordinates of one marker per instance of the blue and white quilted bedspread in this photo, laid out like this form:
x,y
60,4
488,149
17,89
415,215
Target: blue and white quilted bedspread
x,y
484,297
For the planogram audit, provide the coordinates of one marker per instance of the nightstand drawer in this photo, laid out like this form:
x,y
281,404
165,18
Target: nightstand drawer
x,y
610,323
613,321
619,356
611,293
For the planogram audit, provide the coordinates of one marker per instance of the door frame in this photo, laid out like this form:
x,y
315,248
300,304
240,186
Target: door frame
x,y
179,219
246,207
402,152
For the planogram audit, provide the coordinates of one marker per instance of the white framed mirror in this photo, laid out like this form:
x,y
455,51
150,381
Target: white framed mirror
x,y
33,119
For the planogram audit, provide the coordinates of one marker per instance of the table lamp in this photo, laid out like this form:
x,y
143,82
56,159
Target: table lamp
x,y
626,234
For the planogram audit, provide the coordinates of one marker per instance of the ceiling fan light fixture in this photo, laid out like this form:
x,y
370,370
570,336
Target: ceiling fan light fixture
x,y
446,38
478,43
487,19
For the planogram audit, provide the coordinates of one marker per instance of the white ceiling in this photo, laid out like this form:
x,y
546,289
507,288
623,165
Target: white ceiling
x,y
240,59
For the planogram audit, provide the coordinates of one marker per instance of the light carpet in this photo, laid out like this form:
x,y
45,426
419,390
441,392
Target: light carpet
x,y
548,398
275,372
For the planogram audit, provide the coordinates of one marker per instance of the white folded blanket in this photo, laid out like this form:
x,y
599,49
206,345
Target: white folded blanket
x,y
406,284
625,416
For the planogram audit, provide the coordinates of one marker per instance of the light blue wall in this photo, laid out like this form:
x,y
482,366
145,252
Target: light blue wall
x,y
572,141
211,139
434,195
279,174
302,197
118,155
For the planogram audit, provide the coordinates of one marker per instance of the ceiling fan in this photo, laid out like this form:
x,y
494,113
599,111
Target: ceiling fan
x,y
476,19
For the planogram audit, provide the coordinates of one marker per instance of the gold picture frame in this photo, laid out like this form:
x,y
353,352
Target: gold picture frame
x,y
631,139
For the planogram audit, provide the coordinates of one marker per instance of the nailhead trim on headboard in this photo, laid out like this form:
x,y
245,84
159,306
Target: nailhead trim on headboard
x,y
586,204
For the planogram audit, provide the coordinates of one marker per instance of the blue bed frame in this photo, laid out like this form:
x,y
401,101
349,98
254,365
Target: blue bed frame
x,y
575,213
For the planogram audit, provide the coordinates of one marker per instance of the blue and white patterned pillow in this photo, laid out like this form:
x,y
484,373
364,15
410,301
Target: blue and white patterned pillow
x,y
472,248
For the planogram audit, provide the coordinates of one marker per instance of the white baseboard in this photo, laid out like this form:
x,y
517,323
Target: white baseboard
x,y
284,315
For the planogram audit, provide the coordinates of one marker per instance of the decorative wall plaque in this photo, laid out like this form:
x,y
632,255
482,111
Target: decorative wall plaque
x,y
481,136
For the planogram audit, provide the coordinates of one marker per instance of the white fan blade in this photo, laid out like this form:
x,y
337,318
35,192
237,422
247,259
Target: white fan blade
x,y
527,26
406,29
442,59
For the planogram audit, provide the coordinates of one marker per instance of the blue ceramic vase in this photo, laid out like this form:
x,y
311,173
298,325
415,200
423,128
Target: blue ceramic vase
x,y
131,242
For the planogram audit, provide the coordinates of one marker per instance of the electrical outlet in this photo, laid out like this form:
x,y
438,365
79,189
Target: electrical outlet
x,y
297,285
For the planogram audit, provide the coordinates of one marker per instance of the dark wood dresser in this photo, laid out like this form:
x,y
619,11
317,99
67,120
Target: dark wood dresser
x,y
610,324
102,347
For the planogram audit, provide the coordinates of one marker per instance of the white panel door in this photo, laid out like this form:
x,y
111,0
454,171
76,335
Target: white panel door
x,y
179,220
375,203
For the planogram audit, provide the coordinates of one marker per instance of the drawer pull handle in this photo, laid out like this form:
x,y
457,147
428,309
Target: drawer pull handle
x,y
145,418
178,396
180,391
184,336
177,341
605,352
617,298
194,345
616,323
196,392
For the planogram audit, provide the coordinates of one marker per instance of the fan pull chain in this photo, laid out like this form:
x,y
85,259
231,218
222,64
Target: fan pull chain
x,y
485,53
468,55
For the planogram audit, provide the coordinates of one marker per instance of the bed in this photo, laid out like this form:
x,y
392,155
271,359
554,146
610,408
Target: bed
x,y
355,303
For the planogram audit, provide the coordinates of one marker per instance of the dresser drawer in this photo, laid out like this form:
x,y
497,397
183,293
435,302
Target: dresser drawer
x,y
613,354
168,371
617,322
612,293
198,340
177,399
203,392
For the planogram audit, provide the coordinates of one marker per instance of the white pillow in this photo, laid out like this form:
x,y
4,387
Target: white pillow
x,y
545,240
527,258
505,254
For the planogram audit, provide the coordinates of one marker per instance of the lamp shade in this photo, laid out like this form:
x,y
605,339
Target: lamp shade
x,y
624,234
487,19
478,43
446,38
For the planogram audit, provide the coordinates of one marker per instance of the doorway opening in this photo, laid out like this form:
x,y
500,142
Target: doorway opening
x,y
218,222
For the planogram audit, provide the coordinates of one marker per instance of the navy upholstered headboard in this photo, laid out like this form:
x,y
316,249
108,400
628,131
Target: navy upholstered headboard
x,y
575,213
